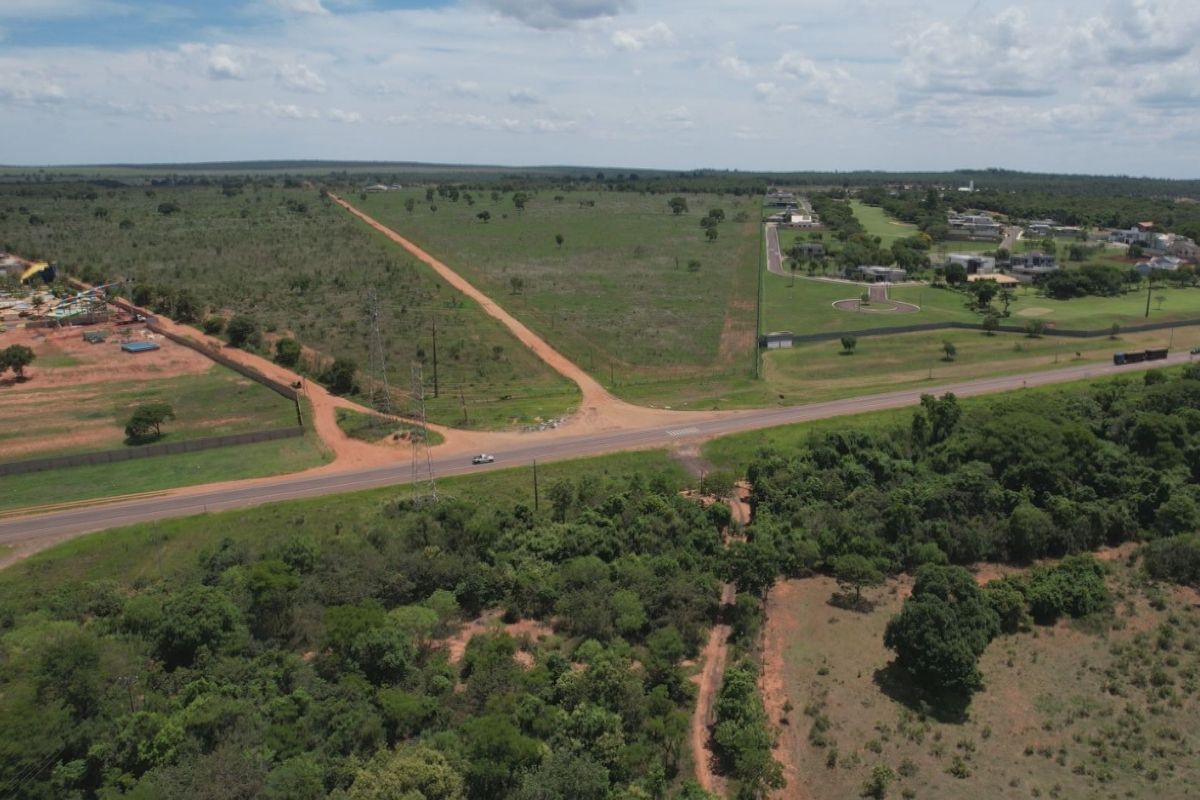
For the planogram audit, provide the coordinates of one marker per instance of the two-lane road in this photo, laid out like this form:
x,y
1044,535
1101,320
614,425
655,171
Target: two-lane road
x,y
180,503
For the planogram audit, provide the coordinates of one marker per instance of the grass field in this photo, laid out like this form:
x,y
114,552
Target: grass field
x,y
299,265
618,296
878,223
807,307
162,472
84,418
155,550
373,427
1106,708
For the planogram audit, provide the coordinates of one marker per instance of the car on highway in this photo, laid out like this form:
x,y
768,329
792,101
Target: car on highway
x,y
483,458
1196,351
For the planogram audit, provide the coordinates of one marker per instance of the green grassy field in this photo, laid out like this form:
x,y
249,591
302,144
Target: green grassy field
x,y
161,549
373,427
300,265
75,418
878,223
618,296
807,307
162,472
1067,711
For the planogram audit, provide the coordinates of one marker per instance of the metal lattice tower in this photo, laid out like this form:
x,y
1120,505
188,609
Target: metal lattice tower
x,y
381,393
423,487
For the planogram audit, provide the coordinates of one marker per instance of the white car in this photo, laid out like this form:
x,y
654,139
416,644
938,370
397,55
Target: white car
x,y
483,458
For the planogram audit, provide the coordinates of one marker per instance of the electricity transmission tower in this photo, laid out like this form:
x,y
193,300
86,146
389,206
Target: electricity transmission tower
x,y
381,393
423,487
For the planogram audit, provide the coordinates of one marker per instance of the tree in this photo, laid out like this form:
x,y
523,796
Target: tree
x,y
410,204
711,234
942,630
414,771
1114,331
854,571
1034,328
147,417
849,343
950,350
287,352
16,357
678,205
693,265
243,330
991,322
196,617
519,200
558,239
876,785
213,325
340,375
484,216
956,274
516,283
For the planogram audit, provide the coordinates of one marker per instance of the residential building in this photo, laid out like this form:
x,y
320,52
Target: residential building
x,y
1028,266
973,263
872,274
779,199
974,226
1163,263
1184,248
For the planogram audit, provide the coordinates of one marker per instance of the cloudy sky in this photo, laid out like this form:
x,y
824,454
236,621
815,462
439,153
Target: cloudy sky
x,y
1054,85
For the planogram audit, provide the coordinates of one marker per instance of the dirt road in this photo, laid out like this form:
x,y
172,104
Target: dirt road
x,y
714,658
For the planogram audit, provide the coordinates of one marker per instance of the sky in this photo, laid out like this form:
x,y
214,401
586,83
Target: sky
x,y
1051,86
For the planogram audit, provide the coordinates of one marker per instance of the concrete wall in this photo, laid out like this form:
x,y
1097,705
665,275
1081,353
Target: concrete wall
x,y
831,336
149,451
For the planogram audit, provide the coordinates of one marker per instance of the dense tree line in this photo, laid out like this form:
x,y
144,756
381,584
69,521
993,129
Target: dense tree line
x,y
1018,479
305,666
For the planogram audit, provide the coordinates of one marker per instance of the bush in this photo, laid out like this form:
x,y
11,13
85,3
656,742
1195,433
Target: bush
x,y
1074,587
243,331
287,352
214,325
1175,559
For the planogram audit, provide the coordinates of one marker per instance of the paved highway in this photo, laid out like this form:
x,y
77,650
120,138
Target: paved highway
x,y
184,503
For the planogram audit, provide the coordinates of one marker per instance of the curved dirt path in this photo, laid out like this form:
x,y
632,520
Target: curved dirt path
x,y
594,395
714,658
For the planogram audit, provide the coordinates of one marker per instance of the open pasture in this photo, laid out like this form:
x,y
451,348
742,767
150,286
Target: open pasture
x,y
632,289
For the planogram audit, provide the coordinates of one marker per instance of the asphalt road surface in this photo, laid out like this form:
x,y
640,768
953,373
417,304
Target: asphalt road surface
x,y
166,505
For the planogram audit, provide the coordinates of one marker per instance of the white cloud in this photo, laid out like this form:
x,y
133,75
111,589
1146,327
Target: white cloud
x,y
812,81
735,67
30,88
552,126
289,111
552,14
300,78
654,35
679,116
766,90
338,115
25,10
465,88
221,63
524,96
311,7
1004,56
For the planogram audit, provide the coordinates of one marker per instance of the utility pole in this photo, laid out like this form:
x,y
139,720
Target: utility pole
x,y
536,502
1149,289
463,402
433,324
762,246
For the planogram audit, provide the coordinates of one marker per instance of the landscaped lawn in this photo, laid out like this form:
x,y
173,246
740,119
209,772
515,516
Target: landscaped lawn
x,y
878,223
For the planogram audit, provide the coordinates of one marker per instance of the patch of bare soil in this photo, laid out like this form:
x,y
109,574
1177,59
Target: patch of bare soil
x,y
781,627
491,622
